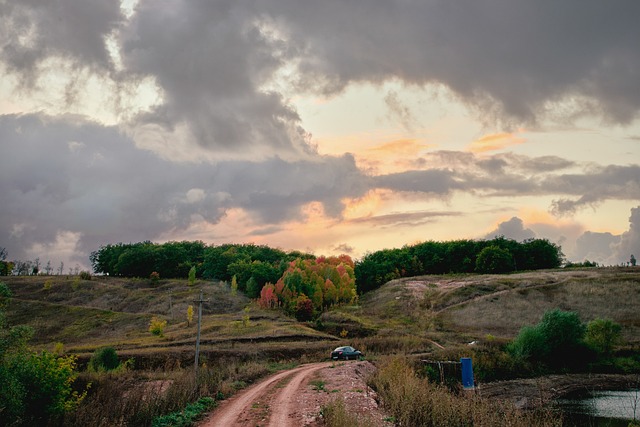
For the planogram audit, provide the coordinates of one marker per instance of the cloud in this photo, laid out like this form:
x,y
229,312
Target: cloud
x,y
508,60
344,248
610,249
629,243
596,185
224,71
402,219
512,229
496,141
74,30
596,247
101,188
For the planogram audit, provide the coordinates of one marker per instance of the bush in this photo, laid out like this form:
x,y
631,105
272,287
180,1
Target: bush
x,y
602,335
554,343
156,326
85,275
37,387
185,418
104,359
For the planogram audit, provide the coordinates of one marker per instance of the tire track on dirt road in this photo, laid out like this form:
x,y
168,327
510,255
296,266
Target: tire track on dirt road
x,y
237,411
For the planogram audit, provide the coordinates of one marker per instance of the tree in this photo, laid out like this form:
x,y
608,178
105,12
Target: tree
x,y
234,285
632,260
192,275
104,359
556,342
304,308
494,259
602,335
189,315
34,387
156,326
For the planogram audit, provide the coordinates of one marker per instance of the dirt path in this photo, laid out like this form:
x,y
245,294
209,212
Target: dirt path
x,y
293,398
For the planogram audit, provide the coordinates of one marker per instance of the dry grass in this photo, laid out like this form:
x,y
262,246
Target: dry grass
x,y
414,401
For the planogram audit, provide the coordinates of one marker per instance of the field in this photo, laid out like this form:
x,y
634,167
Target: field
x,y
418,317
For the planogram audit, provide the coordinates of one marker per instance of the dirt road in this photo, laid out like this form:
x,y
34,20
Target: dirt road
x,y
269,403
293,398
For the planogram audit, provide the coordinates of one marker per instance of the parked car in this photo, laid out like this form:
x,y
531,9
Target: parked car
x,y
346,353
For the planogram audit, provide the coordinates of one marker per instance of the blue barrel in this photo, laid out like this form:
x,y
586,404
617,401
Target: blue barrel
x,y
467,373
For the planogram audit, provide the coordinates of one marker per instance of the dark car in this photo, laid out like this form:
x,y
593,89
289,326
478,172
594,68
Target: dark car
x,y
345,353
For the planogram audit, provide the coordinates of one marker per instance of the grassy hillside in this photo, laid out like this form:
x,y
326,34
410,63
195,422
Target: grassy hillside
x,y
414,314
84,315
431,317
455,309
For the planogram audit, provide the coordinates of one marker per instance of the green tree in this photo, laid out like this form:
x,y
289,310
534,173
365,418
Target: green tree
x,y
494,259
234,285
192,275
104,359
253,288
554,343
34,387
602,335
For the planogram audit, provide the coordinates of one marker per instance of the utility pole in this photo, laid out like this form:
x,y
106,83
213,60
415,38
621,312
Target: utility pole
x,y
200,301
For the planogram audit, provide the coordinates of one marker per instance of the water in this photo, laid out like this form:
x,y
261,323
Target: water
x,y
602,408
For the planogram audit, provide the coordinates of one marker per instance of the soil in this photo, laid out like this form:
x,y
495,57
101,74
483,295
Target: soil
x,y
295,397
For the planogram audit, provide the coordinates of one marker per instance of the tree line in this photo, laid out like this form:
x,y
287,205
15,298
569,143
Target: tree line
x,y
499,255
252,265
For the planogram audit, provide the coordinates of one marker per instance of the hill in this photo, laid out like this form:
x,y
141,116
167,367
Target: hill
x,y
425,311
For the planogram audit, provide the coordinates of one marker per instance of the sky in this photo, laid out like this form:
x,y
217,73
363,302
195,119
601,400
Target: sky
x,y
323,126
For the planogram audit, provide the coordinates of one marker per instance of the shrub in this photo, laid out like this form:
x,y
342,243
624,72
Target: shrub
x,y
554,343
85,275
304,308
104,359
185,418
602,335
37,387
154,276
192,275
156,326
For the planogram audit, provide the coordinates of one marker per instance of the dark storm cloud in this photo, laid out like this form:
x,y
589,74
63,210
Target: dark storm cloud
x,y
70,175
506,58
212,61
33,31
594,186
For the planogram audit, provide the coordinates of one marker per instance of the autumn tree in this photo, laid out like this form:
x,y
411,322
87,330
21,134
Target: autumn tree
x,y
189,315
311,285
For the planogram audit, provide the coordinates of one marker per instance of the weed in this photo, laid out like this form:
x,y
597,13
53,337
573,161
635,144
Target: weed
x,y
318,385
335,414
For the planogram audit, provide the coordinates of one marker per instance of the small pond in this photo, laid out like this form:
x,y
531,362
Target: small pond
x,y
601,408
